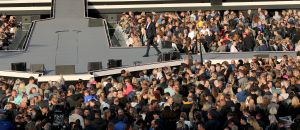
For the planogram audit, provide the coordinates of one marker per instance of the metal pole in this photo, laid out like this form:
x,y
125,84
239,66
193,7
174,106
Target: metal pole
x,y
201,57
200,47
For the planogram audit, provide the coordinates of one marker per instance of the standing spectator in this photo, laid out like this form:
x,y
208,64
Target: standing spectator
x,y
233,47
5,124
31,85
151,33
261,46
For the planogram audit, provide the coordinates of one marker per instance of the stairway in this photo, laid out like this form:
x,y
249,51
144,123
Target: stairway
x,y
118,37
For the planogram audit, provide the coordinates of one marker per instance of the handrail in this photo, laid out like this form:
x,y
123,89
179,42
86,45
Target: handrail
x,y
52,8
111,44
107,32
124,67
28,36
252,52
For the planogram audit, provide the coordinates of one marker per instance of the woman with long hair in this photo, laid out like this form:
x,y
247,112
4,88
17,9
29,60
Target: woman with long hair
x,y
252,121
294,109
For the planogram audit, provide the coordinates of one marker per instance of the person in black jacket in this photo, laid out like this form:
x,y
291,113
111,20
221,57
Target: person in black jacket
x,y
212,123
151,33
248,42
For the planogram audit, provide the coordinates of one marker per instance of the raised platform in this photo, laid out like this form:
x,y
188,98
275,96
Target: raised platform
x,y
71,38
213,57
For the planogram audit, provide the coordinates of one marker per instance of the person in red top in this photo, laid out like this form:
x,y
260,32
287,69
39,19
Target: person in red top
x,y
128,89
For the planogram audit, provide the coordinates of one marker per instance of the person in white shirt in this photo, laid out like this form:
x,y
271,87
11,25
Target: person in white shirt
x,y
31,85
169,89
129,42
204,30
191,34
76,116
277,16
283,94
193,17
297,46
233,47
174,46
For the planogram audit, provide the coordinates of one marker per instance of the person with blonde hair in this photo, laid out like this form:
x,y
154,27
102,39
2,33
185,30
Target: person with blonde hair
x,y
273,123
273,110
251,105
294,109
252,121
295,102
297,46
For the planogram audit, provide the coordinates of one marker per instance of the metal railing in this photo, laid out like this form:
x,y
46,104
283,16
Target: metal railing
x,y
28,36
107,32
116,37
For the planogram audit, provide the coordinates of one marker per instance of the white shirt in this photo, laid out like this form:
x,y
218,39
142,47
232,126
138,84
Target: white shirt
x,y
174,46
103,105
277,17
170,91
188,123
74,117
285,95
191,34
233,49
202,31
193,17
297,47
129,41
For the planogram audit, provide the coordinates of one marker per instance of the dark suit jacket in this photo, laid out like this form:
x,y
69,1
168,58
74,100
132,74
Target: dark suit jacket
x,y
151,30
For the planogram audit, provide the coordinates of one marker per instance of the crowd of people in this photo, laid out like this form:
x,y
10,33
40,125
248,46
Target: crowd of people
x,y
254,94
217,31
8,28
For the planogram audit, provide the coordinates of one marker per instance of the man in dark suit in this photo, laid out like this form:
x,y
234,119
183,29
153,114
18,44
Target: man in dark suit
x,y
150,33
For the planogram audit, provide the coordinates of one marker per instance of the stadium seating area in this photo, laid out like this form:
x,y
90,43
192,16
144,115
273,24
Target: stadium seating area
x,y
217,31
225,91
7,31
256,94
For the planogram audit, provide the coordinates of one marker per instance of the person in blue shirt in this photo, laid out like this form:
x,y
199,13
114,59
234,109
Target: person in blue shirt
x,y
5,124
261,46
